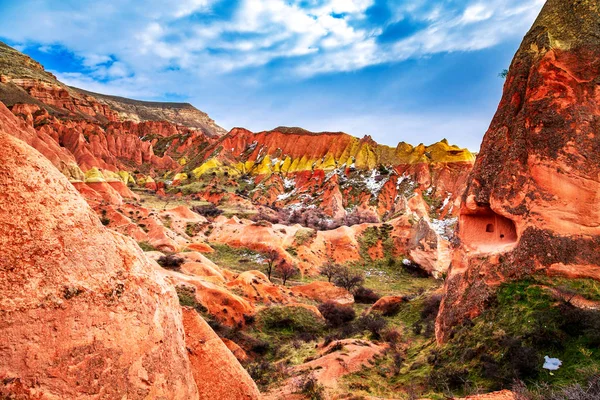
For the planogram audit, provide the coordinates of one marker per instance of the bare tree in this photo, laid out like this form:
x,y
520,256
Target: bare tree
x,y
330,270
271,257
286,270
348,279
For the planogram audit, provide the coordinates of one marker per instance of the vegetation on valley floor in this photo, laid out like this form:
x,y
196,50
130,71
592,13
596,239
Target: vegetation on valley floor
x,y
501,348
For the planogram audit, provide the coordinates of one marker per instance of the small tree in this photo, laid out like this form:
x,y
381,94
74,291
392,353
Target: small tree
x,y
330,270
347,279
286,270
271,257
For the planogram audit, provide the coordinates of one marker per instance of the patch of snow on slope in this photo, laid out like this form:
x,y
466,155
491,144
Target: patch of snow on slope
x,y
444,227
375,183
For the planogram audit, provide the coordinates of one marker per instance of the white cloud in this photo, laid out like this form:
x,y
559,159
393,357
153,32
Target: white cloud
x,y
320,36
187,7
476,13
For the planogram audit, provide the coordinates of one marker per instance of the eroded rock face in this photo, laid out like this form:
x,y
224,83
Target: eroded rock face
x,y
82,312
338,170
532,201
216,370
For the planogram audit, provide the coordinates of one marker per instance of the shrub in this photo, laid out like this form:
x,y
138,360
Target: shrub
x,y
364,295
523,362
392,336
264,373
337,314
311,388
187,298
170,261
290,320
580,322
286,271
145,246
271,257
588,391
209,210
449,379
373,323
431,306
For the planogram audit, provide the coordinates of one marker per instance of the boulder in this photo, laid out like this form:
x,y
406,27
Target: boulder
x,y
84,315
387,305
324,291
214,366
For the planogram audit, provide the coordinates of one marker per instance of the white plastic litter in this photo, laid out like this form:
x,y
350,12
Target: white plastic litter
x,y
552,364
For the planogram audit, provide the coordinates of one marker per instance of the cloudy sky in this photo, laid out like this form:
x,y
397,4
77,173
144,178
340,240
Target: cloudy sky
x,y
398,70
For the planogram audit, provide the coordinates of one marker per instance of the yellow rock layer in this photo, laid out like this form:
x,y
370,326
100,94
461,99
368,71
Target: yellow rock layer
x,y
362,155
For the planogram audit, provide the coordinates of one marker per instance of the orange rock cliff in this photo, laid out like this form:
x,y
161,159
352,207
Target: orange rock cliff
x,y
532,201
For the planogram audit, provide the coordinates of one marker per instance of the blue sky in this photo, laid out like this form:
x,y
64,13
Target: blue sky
x,y
414,71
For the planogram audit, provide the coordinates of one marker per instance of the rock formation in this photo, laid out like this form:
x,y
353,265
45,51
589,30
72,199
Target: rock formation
x,y
337,170
83,312
532,202
82,309
216,371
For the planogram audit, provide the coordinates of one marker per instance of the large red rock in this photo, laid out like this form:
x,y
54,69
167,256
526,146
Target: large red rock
x,y
388,304
83,313
532,200
217,372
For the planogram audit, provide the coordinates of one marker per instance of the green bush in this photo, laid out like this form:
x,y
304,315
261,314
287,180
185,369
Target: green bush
x,y
290,321
145,246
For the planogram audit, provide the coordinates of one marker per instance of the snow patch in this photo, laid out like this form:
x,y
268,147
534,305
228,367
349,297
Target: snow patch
x,y
373,184
443,226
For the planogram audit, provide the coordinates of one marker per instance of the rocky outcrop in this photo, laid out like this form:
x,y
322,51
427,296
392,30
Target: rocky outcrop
x,y
216,371
324,291
45,144
333,362
532,202
387,305
501,395
83,314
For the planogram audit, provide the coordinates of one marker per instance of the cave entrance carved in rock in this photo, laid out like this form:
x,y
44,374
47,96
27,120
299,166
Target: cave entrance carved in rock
x,y
487,231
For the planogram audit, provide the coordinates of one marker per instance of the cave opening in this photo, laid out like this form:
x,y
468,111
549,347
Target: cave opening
x,y
487,231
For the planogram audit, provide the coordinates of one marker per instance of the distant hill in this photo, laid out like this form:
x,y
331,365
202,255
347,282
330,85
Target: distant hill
x,y
24,80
